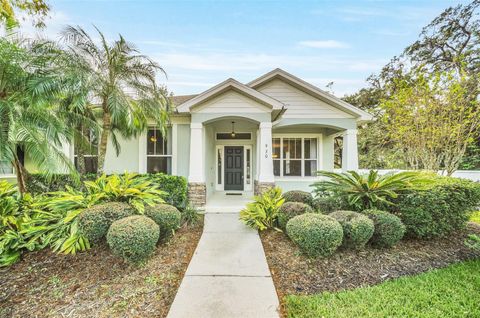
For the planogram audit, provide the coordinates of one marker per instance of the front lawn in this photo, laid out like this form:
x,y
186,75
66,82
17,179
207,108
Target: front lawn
x,y
450,292
97,283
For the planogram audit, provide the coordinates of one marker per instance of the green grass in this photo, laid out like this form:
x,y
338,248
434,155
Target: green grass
x,y
475,217
450,292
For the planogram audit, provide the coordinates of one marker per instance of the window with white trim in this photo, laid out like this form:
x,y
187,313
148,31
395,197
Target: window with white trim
x,y
295,156
159,152
90,152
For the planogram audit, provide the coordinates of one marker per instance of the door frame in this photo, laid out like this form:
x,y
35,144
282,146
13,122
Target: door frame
x,y
247,182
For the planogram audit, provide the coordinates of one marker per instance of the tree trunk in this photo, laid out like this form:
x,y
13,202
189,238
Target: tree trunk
x,y
102,146
21,174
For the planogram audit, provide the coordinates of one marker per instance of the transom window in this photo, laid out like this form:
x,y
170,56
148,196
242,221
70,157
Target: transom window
x,y
159,152
295,156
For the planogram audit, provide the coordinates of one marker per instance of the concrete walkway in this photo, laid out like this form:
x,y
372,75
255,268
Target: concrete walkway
x,y
228,275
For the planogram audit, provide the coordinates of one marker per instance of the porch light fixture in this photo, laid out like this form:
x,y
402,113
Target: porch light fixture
x,y
233,129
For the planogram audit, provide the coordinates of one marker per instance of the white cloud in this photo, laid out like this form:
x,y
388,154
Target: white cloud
x,y
325,44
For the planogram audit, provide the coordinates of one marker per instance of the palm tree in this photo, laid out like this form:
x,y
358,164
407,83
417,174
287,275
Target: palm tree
x,y
29,98
122,87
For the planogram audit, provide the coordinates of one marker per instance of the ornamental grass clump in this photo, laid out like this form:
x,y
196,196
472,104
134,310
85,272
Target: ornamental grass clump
x,y
95,221
389,229
167,217
315,234
357,228
133,238
291,209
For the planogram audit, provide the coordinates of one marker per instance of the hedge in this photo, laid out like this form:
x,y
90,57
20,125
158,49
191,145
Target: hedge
x,y
298,196
440,210
291,209
166,216
389,229
357,228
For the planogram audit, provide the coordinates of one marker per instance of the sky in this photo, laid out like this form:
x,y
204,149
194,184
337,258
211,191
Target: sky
x,y
202,43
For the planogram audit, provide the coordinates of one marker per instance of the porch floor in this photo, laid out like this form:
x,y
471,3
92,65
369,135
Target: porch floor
x,y
221,202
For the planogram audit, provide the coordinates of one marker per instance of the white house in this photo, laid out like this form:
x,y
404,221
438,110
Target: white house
x,y
234,137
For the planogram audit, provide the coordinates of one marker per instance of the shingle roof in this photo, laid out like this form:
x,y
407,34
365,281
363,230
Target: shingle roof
x,y
177,100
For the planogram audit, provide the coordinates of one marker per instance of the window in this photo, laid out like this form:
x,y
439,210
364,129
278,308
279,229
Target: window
x,y
295,156
236,136
6,167
159,152
90,152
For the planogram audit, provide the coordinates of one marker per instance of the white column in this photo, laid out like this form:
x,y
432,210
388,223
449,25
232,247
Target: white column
x,y
350,150
197,168
174,148
142,152
266,162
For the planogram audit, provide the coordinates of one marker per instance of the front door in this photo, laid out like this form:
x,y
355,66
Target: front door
x,y
234,168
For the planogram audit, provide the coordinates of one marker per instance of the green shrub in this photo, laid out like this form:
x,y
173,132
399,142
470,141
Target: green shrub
x,y
315,234
262,213
190,215
133,238
328,203
38,183
357,228
175,187
95,221
298,196
440,210
367,191
166,216
289,210
389,229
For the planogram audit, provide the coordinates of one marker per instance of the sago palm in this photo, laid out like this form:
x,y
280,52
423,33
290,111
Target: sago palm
x,y
29,98
121,87
366,191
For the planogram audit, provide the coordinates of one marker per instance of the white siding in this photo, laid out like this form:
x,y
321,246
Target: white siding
x,y
231,102
300,104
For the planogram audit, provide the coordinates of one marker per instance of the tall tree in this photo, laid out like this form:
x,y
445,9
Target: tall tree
x,y
29,96
122,87
38,9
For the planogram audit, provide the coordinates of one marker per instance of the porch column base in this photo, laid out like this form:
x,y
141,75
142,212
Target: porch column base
x,y
197,194
260,187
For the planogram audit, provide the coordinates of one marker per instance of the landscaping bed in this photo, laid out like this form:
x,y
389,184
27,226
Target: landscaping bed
x,y
294,273
96,283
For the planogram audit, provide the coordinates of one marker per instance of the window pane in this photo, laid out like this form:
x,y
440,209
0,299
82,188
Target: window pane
x,y
310,148
292,167
219,166
310,167
159,164
292,148
276,168
238,136
6,167
248,166
151,141
276,148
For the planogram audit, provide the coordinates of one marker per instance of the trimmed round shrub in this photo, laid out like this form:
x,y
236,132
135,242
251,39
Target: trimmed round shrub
x,y
357,228
315,234
329,203
389,229
291,209
166,216
94,222
133,238
298,196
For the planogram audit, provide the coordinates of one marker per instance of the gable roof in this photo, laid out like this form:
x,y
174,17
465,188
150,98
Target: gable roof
x,y
312,90
229,84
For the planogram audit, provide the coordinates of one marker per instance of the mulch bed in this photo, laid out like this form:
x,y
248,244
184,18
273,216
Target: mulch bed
x,y
293,273
96,283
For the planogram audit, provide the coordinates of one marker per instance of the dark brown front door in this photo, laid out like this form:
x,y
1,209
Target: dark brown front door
x,y
234,168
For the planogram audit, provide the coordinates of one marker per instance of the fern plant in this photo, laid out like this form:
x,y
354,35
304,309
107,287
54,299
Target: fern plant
x,y
128,187
262,213
370,190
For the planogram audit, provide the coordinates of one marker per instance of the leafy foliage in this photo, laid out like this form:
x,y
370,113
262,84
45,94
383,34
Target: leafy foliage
x,y
94,221
298,196
389,229
442,209
128,187
38,183
473,242
291,209
369,191
357,228
175,188
315,234
166,216
190,215
9,10
262,212
133,238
